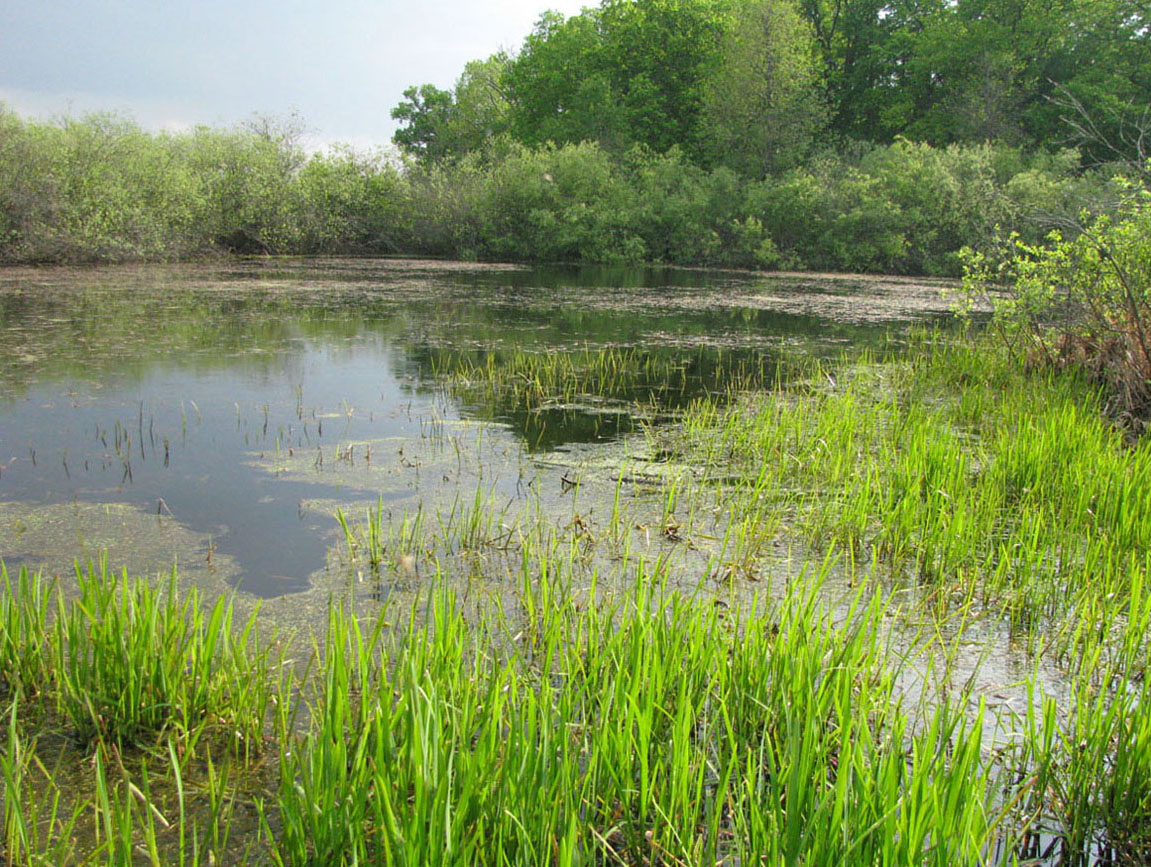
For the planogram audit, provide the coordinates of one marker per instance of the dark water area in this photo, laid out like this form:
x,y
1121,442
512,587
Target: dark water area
x,y
217,411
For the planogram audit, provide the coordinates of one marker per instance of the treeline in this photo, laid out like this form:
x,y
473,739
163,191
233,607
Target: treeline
x,y
101,188
861,135
904,208
761,85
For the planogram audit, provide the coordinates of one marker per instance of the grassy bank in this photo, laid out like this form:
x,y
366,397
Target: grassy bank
x,y
757,654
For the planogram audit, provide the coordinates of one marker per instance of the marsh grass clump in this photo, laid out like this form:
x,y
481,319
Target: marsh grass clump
x,y
625,724
136,662
632,376
651,726
1090,759
135,687
1021,494
1019,503
39,827
24,631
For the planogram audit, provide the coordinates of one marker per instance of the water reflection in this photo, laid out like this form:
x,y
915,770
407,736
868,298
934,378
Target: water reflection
x,y
234,398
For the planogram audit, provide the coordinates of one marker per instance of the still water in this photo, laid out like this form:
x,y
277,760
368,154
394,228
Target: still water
x,y
217,415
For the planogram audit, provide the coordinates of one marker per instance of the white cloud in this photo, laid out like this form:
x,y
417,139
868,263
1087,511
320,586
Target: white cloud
x,y
342,64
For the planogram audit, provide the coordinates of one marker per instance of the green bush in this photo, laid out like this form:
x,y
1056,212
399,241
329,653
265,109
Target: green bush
x,y
352,202
102,189
1082,300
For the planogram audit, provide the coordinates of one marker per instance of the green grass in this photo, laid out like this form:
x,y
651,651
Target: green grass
x,y
1025,502
648,726
651,727
626,682
24,608
135,662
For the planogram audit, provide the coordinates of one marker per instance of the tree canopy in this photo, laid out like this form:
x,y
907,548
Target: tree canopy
x,y
754,84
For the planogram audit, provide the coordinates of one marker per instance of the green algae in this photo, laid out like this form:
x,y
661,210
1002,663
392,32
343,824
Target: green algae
x,y
55,538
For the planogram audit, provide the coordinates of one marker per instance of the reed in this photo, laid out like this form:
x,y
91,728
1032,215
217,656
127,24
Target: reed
x,y
39,826
1021,501
24,631
623,726
645,727
135,662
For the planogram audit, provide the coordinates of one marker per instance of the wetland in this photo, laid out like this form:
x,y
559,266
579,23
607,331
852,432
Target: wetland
x,y
235,406
436,562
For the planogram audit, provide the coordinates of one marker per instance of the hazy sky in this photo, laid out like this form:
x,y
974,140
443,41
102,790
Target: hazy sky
x,y
342,64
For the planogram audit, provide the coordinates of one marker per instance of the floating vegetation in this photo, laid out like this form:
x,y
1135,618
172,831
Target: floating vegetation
x,y
54,537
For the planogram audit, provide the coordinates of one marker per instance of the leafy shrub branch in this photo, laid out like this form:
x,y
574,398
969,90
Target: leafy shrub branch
x,y
1079,299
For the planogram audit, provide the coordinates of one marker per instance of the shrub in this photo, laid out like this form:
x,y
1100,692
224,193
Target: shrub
x,y
1083,300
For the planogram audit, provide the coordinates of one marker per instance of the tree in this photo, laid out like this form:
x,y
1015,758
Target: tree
x,y
763,103
249,175
971,69
1104,72
29,202
659,54
1083,301
426,113
560,87
447,124
630,72
853,38
482,112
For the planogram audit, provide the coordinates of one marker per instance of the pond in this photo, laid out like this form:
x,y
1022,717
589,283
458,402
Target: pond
x,y
549,455
217,415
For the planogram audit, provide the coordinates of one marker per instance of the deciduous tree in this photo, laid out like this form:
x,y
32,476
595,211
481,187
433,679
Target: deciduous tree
x,y
763,101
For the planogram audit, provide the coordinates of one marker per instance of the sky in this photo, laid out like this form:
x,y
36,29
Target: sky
x,y
340,64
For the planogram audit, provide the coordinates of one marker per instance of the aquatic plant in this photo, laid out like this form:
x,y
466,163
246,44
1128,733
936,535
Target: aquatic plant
x,y
638,678
135,662
24,631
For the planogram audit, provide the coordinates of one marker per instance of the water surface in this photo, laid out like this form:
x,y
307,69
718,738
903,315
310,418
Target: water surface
x,y
217,414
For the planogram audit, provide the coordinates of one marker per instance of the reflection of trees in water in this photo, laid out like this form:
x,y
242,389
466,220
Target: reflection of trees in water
x,y
90,323
93,332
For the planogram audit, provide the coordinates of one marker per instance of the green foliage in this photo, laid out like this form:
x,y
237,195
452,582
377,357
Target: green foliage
x,y
851,35
559,87
102,189
906,208
680,211
97,188
446,125
425,113
351,202
135,662
482,110
694,73
762,102
981,70
1083,300
629,72
944,197
557,204
248,176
